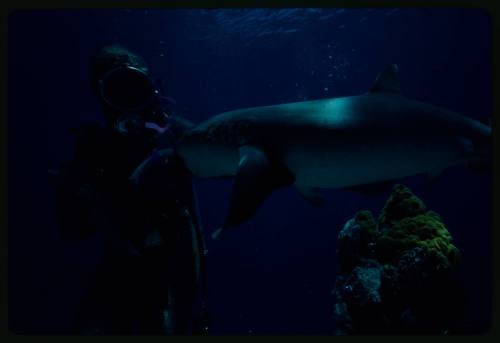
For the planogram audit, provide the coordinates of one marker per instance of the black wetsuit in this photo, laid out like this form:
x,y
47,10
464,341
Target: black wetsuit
x,y
139,193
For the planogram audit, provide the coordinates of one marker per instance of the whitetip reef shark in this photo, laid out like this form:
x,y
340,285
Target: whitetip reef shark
x,y
344,142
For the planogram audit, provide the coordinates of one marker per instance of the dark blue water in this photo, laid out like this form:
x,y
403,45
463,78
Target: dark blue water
x,y
273,275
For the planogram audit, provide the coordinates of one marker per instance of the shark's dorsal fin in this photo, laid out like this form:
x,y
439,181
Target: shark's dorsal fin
x,y
387,81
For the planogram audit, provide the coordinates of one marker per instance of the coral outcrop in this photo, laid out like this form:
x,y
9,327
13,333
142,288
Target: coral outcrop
x,y
396,273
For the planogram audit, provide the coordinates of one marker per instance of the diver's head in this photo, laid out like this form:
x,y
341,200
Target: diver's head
x,y
128,94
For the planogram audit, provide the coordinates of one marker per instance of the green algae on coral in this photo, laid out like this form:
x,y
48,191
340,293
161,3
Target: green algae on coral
x,y
401,204
407,225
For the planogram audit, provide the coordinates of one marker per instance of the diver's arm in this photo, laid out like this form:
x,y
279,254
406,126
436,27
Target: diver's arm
x,y
77,194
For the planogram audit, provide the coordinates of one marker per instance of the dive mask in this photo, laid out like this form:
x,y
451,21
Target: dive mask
x,y
128,89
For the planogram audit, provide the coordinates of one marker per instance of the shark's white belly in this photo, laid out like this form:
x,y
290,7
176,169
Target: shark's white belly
x,y
357,164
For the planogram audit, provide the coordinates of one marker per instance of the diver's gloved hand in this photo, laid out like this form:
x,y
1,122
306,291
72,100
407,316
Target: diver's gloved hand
x,y
158,159
88,192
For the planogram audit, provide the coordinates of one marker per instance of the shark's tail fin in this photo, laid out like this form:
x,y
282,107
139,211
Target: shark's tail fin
x,y
481,156
479,165
478,150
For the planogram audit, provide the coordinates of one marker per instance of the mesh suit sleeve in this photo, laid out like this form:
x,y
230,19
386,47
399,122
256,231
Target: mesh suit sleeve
x,y
77,190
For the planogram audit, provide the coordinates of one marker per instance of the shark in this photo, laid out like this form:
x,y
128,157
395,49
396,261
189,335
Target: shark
x,y
346,142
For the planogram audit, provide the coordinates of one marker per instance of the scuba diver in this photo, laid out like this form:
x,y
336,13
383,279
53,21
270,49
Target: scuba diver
x,y
126,182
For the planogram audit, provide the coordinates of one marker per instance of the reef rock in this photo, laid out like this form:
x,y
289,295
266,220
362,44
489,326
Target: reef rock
x,y
356,240
395,273
358,297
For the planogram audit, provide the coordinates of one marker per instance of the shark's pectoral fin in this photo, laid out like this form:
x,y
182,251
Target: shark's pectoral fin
x,y
310,195
257,177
